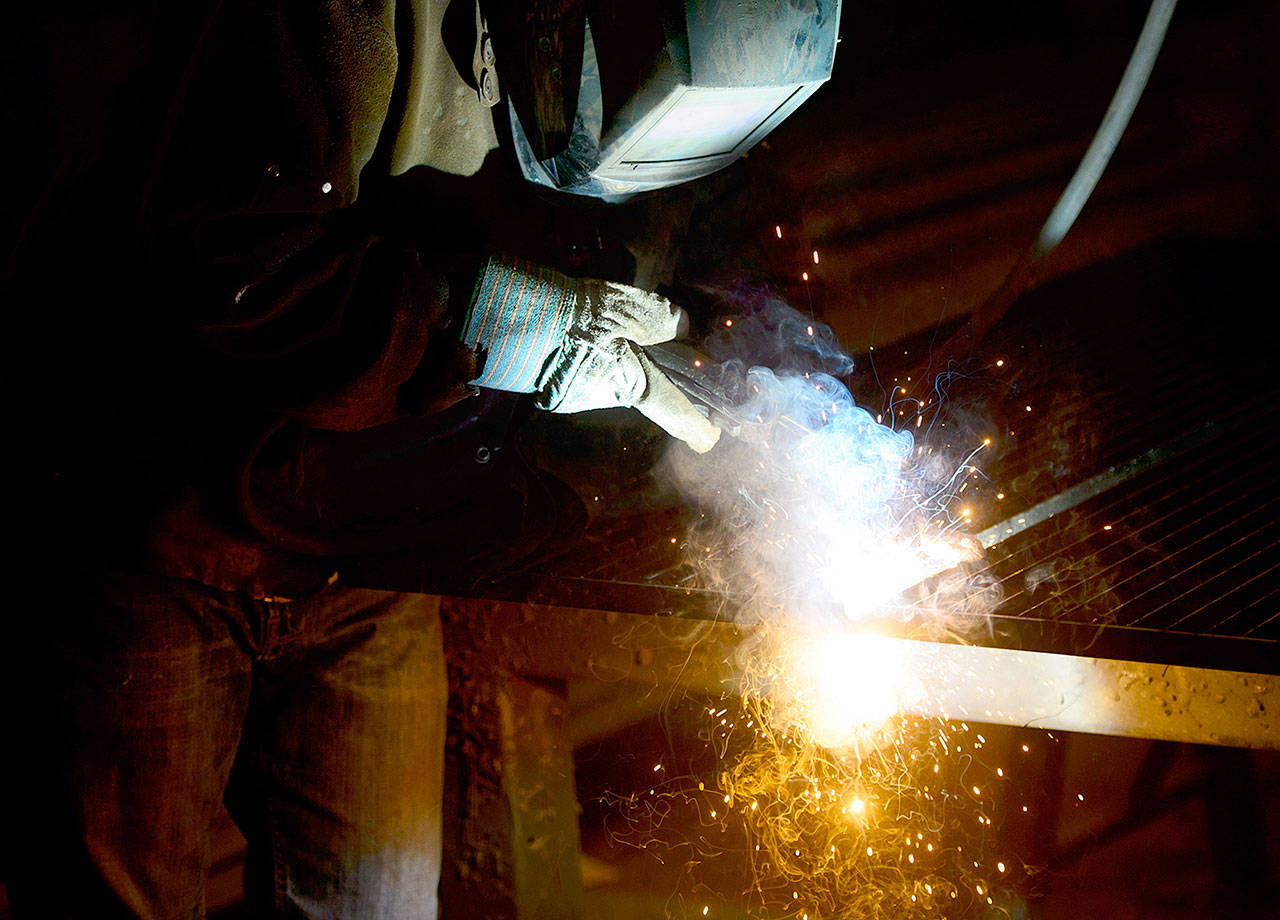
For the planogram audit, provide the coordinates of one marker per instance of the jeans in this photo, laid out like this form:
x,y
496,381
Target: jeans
x,y
319,721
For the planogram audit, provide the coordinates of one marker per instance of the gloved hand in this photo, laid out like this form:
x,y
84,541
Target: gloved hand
x,y
577,344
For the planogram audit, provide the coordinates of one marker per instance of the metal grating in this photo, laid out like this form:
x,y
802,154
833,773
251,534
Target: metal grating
x,y
1193,546
1129,370
1146,378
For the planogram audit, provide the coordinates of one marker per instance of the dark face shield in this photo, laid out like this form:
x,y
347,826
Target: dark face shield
x,y
711,80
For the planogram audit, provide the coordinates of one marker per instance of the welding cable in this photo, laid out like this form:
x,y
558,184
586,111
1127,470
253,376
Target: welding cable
x,y
1112,128
1077,192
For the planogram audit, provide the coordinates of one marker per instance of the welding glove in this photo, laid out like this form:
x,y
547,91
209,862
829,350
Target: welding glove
x,y
577,344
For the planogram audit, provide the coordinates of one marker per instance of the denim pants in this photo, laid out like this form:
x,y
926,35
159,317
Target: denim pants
x,y
320,722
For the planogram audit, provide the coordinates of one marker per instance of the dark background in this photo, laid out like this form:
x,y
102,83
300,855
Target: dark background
x,y
919,174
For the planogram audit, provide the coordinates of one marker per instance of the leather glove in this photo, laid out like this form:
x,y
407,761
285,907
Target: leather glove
x,y
577,344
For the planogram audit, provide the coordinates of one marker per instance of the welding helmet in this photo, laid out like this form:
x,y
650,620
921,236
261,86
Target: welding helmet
x,y
607,100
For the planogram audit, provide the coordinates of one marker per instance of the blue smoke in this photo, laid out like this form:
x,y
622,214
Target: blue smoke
x,y
815,507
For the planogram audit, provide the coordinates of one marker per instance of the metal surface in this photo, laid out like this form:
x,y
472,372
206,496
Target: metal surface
x,y
511,814
1115,476
1190,549
1138,441
977,683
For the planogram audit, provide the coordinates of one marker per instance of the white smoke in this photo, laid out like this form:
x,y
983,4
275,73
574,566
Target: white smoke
x,y
814,510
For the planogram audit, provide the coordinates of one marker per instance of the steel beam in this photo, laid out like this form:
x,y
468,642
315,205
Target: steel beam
x,y
976,683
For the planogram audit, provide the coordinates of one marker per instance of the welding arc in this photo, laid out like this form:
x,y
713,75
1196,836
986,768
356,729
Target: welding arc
x,y
1064,213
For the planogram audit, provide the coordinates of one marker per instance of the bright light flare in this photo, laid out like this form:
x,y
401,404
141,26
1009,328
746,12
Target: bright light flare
x,y
864,573
866,569
845,687
821,521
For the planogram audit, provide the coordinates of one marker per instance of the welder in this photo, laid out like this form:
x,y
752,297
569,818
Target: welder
x,y
292,273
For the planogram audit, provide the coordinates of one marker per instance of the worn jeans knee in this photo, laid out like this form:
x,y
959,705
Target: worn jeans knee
x,y
330,708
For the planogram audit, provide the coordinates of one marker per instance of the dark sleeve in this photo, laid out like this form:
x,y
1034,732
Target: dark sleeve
x,y
272,224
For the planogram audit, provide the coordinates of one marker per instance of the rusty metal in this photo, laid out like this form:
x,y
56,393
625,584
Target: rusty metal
x,y
1079,693
511,815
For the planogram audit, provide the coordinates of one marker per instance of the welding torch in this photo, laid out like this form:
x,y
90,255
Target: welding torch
x,y
706,383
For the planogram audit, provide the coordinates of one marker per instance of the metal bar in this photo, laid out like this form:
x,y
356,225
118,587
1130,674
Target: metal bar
x,y
1110,478
537,780
977,683
511,814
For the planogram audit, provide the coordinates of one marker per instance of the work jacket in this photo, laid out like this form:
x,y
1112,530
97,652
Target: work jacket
x,y
253,285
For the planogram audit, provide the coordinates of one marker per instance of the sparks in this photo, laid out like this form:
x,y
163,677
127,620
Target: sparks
x,y
822,764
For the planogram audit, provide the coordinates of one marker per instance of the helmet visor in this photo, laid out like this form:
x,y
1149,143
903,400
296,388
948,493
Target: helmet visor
x,y
675,125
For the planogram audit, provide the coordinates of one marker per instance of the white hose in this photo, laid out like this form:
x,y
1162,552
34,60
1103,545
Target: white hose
x,y
1113,124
